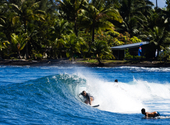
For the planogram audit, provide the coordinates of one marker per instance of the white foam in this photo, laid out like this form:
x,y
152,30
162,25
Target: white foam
x,y
129,97
162,69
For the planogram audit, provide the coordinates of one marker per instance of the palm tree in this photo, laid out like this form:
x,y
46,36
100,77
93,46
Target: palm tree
x,y
102,50
70,10
73,45
27,10
57,34
7,19
7,24
24,10
96,17
159,37
19,42
157,30
60,28
133,13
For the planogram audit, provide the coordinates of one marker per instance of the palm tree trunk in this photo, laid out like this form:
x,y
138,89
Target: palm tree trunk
x,y
92,36
25,27
75,26
99,60
93,31
19,55
9,39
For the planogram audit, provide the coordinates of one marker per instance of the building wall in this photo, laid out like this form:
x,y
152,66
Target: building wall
x,y
120,54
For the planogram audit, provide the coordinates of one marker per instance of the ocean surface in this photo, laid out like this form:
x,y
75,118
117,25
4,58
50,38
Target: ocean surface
x,y
44,95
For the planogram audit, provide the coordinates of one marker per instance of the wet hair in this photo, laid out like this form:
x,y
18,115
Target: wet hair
x,y
143,111
116,80
83,92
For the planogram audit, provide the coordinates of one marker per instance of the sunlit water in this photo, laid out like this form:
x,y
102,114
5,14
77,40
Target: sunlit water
x,y
49,95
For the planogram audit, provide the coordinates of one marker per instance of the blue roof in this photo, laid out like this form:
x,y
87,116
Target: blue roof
x,y
134,45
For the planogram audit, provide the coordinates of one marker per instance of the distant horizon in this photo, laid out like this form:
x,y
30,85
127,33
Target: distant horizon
x,y
161,3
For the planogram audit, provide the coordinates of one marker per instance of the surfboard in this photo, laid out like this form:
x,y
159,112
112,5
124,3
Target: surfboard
x,y
95,106
157,117
92,106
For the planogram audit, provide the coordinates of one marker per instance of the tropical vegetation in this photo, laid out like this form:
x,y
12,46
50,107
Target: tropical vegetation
x,y
31,29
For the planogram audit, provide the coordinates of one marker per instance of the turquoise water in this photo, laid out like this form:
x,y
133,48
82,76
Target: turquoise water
x,y
49,95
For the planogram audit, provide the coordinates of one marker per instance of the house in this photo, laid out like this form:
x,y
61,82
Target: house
x,y
119,51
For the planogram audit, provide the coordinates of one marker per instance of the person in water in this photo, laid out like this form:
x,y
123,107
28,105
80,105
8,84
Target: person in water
x,y
88,97
116,80
149,114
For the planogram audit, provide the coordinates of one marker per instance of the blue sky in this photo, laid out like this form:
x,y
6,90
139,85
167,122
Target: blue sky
x,y
161,3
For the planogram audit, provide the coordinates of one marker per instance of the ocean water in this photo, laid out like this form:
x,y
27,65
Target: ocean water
x,y
50,95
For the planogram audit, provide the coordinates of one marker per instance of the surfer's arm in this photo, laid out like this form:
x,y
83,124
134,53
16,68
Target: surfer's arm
x,y
89,101
146,116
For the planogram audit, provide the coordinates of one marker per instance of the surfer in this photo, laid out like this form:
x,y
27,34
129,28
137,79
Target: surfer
x,y
149,114
88,97
116,80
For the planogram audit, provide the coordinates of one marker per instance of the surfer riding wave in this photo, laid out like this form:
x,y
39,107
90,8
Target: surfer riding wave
x,y
88,97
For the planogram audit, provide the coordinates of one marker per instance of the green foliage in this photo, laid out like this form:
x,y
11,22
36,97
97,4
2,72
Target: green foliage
x,y
37,55
96,18
165,55
168,4
134,14
114,38
97,26
19,41
73,45
3,45
70,10
3,42
158,36
134,39
102,50
113,33
125,39
128,56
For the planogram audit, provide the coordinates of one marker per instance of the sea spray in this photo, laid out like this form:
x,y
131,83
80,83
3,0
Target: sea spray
x,y
125,97
113,96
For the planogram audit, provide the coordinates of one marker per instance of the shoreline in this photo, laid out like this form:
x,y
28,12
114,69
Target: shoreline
x,y
67,62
